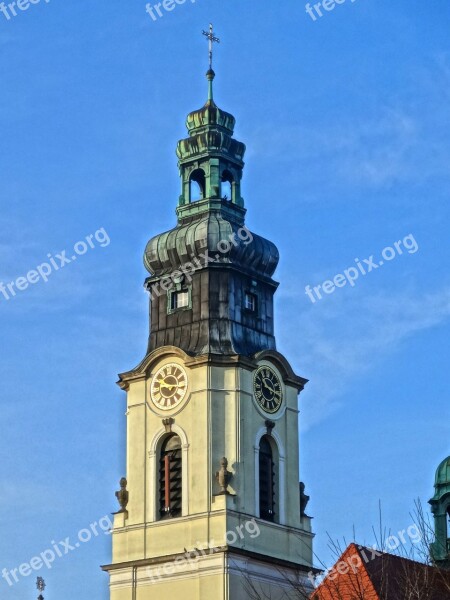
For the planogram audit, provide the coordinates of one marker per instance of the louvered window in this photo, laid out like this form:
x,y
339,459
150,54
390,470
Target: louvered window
x,y
266,481
170,478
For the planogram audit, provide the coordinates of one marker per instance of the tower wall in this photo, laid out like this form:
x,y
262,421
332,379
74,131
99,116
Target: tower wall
x,y
216,320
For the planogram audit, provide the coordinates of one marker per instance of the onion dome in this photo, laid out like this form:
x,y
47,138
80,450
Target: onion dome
x,y
443,473
440,507
210,129
210,114
211,240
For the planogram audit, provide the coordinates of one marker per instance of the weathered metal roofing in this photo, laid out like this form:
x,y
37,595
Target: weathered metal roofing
x,y
211,233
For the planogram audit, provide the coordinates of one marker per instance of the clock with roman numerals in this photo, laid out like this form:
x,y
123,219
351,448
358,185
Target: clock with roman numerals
x,y
267,389
169,386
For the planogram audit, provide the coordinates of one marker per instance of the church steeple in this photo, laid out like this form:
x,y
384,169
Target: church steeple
x,y
211,283
212,412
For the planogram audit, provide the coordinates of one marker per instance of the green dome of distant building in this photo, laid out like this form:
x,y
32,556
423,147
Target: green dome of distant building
x,y
440,506
443,472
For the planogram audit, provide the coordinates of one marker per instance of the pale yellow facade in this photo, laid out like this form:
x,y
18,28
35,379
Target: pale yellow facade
x,y
219,547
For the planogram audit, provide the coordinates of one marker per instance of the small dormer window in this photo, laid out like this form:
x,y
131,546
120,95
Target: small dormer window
x,y
179,299
250,302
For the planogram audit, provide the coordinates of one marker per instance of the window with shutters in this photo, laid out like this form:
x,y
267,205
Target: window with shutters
x,y
266,480
170,478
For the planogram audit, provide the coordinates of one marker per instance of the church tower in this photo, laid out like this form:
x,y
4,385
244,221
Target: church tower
x,y
211,507
440,506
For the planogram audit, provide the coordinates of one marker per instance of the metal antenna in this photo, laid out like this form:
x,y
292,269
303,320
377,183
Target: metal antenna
x,y
211,38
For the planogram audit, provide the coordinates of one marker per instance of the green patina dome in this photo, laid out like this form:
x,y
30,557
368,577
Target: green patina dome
x,y
442,481
167,251
210,114
443,473
210,130
440,507
211,156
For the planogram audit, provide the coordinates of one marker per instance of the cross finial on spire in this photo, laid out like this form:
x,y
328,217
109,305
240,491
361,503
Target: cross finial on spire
x,y
211,38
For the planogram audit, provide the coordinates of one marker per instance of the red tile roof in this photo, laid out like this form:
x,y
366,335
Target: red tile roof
x,y
365,574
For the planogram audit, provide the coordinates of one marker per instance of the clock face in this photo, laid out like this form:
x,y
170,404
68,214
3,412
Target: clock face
x,y
267,389
169,386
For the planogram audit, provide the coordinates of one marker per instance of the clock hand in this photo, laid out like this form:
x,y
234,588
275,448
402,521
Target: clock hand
x,y
163,384
269,387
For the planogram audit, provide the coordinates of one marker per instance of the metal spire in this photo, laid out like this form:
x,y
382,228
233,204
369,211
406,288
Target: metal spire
x,y
210,74
211,38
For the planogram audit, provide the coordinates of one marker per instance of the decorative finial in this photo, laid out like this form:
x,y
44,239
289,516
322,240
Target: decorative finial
x,y
224,477
210,74
122,495
40,585
211,38
304,499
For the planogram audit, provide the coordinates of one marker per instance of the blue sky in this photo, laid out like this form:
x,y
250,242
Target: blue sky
x,y
346,121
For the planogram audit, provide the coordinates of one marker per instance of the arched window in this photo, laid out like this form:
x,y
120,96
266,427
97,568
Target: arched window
x,y
197,185
170,478
226,187
266,480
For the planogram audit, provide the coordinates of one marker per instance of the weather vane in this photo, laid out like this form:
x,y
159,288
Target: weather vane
x,y
211,38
